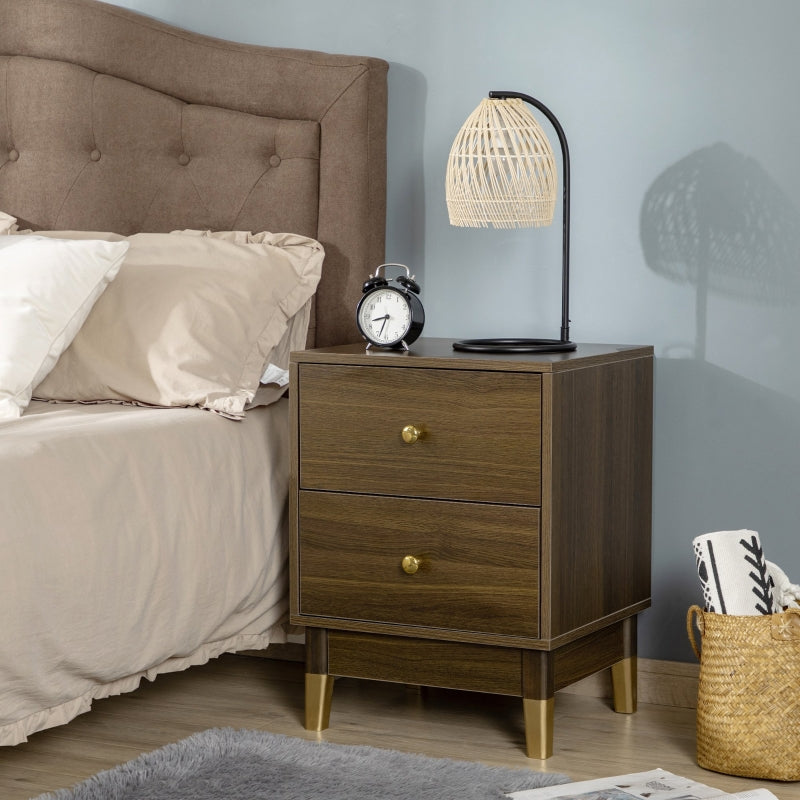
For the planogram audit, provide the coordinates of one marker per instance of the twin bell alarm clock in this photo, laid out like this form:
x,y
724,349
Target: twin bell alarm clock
x,y
390,313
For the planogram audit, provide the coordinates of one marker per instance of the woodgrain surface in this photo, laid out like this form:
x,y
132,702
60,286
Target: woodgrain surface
x,y
596,536
591,741
438,353
479,563
451,665
481,432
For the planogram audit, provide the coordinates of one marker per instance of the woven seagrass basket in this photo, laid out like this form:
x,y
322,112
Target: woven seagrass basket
x,y
748,700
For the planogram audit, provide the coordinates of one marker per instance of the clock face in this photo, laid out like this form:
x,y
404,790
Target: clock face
x,y
384,316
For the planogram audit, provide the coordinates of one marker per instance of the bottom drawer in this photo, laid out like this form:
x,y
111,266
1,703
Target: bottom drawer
x,y
478,564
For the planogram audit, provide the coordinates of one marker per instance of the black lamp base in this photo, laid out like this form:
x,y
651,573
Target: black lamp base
x,y
514,346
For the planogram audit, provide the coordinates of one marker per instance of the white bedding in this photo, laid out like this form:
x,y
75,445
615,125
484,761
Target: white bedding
x,y
133,541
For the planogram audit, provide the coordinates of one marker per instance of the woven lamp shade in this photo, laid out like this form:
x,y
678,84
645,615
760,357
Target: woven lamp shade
x,y
501,170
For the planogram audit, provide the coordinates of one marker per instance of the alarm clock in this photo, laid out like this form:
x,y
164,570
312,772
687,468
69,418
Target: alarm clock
x,y
390,313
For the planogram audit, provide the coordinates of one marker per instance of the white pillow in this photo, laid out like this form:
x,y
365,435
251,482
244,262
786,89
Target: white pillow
x,y
47,289
8,224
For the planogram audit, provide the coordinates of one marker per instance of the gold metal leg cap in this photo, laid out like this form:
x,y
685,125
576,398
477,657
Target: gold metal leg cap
x,y
623,678
319,692
538,727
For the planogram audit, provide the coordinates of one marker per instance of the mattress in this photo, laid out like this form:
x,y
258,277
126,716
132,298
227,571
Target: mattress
x,y
134,541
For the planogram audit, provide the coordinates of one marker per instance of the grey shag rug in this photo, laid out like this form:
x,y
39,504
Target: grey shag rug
x,y
227,764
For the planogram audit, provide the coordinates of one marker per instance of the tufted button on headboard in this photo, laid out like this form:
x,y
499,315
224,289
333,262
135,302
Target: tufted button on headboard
x,y
199,133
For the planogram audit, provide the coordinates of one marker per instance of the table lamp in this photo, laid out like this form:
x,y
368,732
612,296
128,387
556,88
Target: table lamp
x,y
501,172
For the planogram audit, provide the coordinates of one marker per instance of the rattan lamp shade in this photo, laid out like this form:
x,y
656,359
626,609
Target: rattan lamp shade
x,y
501,170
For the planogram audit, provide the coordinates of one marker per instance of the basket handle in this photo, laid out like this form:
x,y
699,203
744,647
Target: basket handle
x,y
695,615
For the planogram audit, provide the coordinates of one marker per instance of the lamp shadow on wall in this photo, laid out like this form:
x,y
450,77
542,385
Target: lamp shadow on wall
x,y
726,448
718,221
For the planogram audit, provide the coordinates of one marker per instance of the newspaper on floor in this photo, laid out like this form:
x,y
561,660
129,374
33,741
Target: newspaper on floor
x,y
657,784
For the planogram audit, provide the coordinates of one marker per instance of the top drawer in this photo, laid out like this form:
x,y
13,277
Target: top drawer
x,y
479,432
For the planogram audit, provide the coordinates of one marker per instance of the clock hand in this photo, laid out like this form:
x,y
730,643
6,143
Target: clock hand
x,y
385,317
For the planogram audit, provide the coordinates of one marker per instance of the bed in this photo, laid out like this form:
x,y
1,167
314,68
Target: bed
x,y
230,200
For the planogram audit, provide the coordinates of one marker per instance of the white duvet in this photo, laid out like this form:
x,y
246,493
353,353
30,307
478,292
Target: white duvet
x,y
133,541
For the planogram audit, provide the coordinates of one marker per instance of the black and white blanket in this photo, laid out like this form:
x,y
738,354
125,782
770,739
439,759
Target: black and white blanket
x,y
734,574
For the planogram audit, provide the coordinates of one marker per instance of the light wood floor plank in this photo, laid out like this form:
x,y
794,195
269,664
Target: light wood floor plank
x,y
242,692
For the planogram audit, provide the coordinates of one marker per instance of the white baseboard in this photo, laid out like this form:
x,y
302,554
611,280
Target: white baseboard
x,y
663,683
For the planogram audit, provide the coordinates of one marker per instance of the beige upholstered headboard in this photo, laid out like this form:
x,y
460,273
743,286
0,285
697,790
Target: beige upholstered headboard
x,y
113,121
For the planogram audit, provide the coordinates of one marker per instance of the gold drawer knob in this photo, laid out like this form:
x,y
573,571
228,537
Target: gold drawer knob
x,y
410,564
411,434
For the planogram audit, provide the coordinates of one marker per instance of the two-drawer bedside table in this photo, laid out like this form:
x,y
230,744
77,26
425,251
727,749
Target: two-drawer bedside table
x,y
471,521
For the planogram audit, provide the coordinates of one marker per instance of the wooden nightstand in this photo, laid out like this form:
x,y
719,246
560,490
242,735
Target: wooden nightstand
x,y
471,521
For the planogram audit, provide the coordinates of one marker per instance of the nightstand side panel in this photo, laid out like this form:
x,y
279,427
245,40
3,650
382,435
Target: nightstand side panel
x,y
599,541
294,487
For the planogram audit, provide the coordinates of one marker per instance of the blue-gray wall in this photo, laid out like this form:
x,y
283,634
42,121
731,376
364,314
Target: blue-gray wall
x,y
683,120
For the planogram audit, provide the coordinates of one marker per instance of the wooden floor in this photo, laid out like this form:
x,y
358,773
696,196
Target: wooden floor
x,y
244,692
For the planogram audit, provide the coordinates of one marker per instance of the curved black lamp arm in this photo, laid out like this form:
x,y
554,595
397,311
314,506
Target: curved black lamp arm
x,y
565,216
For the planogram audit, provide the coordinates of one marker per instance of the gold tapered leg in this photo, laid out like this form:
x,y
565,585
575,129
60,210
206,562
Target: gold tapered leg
x,y
538,727
623,677
319,691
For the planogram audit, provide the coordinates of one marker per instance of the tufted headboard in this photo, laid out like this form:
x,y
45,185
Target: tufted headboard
x,y
113,121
